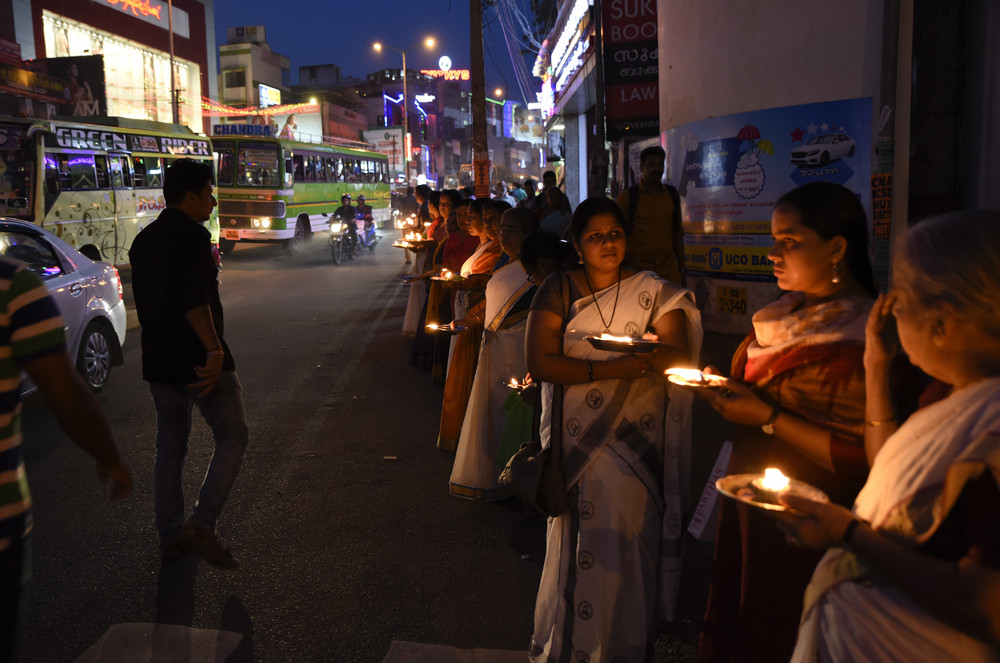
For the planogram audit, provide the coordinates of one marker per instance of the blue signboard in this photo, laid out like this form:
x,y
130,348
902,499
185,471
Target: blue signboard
x,y
731,170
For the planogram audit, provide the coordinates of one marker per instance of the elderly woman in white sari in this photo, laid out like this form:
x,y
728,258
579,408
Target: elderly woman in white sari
x,y
612,559
913,571
501,357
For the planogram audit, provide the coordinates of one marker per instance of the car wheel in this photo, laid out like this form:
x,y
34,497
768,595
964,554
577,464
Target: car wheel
x,y
824,159
227,245
294,246
337,252
94,358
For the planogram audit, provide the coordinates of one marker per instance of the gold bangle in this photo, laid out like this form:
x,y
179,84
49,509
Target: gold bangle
x,y
875,423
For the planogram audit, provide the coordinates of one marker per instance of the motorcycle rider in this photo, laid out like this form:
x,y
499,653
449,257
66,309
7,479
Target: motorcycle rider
x,y
347,213
365,212
364,209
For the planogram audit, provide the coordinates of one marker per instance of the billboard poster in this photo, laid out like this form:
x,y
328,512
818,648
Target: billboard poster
x,y
305,127
85,90
731,170
389,141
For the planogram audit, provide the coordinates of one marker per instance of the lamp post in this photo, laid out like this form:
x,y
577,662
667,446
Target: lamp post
x,y
378,46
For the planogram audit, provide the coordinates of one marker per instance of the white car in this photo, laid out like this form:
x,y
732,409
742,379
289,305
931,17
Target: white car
x,y
87,292
823,149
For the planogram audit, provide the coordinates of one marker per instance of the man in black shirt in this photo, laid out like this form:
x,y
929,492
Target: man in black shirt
x,y
186,361
348,213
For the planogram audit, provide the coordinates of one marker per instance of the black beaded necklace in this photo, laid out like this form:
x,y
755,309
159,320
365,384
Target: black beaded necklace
x,y
607,325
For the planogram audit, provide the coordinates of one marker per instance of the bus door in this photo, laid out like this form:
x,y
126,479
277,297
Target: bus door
x,y
123,196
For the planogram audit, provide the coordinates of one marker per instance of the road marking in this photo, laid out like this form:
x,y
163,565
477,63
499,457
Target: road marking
x,y
401,651
140,642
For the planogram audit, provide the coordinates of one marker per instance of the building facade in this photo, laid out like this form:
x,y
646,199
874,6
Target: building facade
x,y
891,98
115,58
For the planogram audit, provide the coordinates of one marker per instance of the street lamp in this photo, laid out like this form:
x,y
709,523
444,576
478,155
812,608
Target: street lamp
x,y
378,46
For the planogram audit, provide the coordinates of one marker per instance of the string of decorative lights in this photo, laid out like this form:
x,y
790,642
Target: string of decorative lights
x,y
216,109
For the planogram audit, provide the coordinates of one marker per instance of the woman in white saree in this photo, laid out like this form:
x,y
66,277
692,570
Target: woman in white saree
x,y
612,559
501,357
913,573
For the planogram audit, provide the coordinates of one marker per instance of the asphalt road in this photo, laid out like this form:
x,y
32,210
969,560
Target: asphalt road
x,y
341,517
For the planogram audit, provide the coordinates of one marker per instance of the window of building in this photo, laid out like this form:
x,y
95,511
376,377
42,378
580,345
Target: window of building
x,y
235,78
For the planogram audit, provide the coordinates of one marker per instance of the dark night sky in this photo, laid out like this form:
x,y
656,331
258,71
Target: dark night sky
x,y
341,32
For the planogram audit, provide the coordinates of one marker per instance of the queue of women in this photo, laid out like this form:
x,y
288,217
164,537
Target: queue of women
x,y
889,404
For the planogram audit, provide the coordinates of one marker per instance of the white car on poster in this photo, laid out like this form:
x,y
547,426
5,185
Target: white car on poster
x,y
823,149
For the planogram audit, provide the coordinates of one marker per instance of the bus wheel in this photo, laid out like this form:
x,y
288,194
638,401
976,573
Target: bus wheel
x,y
337,251
293,246
227,245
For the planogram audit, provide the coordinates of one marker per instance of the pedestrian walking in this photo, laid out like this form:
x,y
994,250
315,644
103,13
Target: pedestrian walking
x,y
33,340
186,361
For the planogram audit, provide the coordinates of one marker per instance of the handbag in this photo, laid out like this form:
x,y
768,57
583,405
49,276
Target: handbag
x,y
533,474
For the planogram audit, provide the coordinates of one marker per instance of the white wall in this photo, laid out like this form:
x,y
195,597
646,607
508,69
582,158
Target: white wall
x,y
719,57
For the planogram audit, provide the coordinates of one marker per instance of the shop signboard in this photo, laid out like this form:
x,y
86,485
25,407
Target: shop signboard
x,y
246,34
631,69
154,12
33,82
731,170
269,96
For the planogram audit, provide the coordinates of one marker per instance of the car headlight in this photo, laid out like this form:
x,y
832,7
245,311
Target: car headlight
x,y
263,222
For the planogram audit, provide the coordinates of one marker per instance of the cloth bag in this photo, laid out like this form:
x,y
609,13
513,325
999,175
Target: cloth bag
x,y
533,474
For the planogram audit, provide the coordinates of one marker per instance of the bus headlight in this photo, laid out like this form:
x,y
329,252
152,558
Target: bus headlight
x,y
263,222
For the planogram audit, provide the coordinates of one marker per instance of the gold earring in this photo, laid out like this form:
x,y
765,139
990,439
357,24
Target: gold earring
x,y
836,274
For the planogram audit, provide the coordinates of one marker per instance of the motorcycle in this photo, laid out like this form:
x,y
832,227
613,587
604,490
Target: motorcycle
x,y
343,239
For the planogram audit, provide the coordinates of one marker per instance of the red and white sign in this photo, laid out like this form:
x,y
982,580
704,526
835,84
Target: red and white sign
x,y
631,67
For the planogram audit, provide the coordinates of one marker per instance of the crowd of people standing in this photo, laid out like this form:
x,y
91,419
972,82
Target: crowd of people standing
x,y
886,403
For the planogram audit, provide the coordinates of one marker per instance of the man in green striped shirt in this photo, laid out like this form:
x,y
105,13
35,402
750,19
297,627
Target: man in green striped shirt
x,y
32,340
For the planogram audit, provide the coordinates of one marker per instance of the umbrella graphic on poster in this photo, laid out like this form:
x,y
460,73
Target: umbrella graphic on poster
x,y
750,176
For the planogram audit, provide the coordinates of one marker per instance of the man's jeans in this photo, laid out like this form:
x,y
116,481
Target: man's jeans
x,y
224,413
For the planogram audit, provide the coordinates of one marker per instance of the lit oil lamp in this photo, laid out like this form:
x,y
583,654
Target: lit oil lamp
x,y
446,274
618,339
433,326
769,486
692,377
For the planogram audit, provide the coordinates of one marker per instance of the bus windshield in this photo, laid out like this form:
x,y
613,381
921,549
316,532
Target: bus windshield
x,y
258,165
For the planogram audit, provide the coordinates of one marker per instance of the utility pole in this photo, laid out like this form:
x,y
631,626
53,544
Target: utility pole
x,y
174,101
480,145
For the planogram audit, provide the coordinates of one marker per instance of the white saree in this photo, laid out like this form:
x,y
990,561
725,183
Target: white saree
x,y
850,614
501,357
613,561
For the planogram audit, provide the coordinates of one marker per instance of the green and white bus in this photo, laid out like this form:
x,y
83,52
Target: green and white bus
x,y
278,190
95,185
